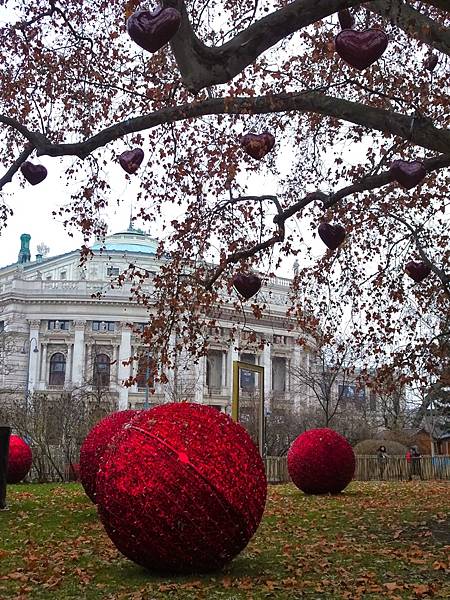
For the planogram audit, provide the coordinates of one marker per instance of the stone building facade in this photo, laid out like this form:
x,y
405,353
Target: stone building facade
x,y
62,338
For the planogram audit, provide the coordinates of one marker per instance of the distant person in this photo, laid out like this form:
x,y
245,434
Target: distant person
x,y
382,458
413,458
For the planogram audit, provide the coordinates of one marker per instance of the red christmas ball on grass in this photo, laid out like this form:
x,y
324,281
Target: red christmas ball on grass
x,y
94,446
181,489
320,461
19,459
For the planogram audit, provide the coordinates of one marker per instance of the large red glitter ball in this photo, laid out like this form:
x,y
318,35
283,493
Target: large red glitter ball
x,y
320,461
94,446
19,459
181,489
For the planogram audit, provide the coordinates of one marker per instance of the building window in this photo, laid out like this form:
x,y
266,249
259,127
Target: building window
x,y
214,371
101,374
48,277
372,401
145,375
57,369
65,325
103,326
352,393
112,271
278,374
63,275
2,326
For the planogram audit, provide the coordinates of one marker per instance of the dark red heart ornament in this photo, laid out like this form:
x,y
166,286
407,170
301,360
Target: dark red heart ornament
x,y
257,145
417,270
130,160
247,285
360,49
34,174
408,174
331,235
346,19
431,62
152,30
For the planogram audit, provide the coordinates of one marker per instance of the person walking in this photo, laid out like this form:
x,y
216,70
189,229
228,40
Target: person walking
x,y
382,458
413,458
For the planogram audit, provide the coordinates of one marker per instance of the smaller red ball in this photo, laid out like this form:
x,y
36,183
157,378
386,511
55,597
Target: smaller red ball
x,y
321,461
19,459
95,444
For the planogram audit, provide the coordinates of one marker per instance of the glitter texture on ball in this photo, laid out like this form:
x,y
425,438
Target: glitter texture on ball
x,y
95,444
321,461
19,459
181,489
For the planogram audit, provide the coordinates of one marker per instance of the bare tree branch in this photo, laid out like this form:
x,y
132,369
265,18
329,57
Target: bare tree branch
x,y
416,130
7,177
202,66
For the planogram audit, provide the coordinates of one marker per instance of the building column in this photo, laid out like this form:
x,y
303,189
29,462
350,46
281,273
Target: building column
x,y
134,369
33,357
67,377
43,378
78,356
223,358
168,389
200,369
124,370
232,356
267,364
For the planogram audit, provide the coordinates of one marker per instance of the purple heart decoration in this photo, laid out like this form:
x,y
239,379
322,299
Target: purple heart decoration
x,y
247,285
152,30
417,270
130,161
34,174
431,62
331,235
408,174
257,145
360,49
346,19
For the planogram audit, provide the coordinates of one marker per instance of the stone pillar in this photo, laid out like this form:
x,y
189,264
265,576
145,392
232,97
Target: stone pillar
x,y
232,356
78,357
33,360
266,362
223,358
124,370
168,389
43,377
200,373
67,377
295,393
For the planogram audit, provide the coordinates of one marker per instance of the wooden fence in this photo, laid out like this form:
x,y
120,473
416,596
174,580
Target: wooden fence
x,y
368,468
55,468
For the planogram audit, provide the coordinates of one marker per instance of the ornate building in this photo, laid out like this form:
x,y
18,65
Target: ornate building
x,y
64,339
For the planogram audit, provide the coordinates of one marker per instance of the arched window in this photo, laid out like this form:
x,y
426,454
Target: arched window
x,y
57,369
145,372
101,372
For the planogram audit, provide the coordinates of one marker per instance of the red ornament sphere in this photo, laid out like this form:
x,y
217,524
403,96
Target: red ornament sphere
x,y
19,459
320,461
94,446
181,489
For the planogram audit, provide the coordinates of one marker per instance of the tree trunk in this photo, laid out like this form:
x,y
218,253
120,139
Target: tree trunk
x,y
5,432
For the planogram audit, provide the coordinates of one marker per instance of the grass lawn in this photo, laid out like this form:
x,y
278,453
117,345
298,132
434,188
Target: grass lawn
x,y
376,540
